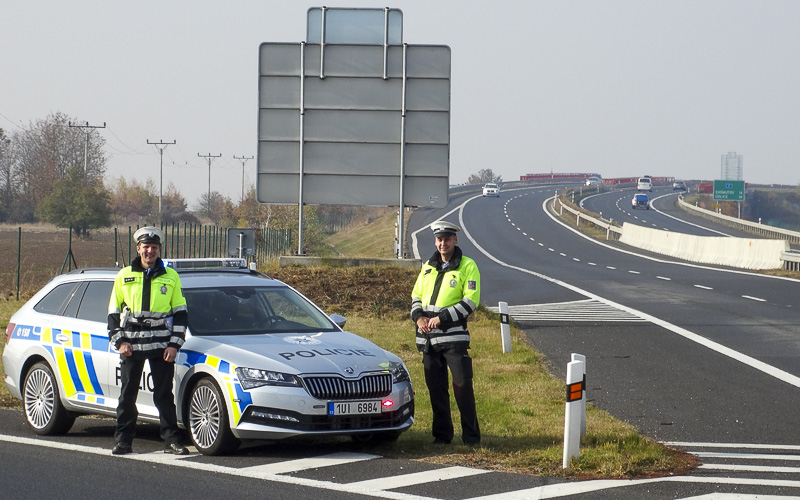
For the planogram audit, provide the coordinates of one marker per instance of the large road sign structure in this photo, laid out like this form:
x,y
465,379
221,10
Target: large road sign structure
x,y
354,116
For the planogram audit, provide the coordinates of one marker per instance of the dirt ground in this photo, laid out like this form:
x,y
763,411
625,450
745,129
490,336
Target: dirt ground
x,y
377,290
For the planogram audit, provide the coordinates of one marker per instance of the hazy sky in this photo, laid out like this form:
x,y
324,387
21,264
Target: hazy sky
x,y
622,88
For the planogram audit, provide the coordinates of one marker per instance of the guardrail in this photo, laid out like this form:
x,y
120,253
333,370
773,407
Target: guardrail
x,y
743,225
791,260
612,231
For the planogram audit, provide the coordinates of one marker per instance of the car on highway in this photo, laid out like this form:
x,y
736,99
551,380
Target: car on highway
x,y
593,180
679,186
260,361
491,189
644,184
640,200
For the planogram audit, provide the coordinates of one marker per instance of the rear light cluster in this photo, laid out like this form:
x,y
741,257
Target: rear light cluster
x,y
9,331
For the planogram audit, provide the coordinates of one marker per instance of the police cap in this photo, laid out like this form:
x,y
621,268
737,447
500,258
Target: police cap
x,y
149,234
444,228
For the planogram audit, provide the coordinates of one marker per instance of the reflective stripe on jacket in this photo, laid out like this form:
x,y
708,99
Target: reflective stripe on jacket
x,y
158,315
452,294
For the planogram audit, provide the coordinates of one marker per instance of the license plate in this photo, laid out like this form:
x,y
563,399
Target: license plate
x,y
354,408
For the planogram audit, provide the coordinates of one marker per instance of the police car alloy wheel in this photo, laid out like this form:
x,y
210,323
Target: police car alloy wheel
x,y
208,420
43,409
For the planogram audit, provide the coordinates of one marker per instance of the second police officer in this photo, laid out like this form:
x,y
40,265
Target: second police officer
x,y
446,292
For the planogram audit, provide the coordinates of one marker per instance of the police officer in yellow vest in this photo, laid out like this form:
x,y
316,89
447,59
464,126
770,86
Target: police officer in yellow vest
x,y
147,320
446,292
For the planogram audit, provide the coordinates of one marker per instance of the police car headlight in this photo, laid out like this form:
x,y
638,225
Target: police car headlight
x,y
250,378
399,373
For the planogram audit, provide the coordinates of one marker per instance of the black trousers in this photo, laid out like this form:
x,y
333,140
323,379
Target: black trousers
x,y
163,374
460,364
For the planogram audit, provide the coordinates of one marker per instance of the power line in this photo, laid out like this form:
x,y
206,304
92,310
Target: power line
x,y
209,157
86,146
161,171
244,160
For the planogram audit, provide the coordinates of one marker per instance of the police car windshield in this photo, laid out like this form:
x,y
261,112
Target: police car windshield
x,y
252,310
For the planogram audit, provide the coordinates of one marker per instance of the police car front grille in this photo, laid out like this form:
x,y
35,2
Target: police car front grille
x,y
371,386
285,419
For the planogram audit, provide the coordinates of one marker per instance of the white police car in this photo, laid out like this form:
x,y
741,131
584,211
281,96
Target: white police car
x,y
260,362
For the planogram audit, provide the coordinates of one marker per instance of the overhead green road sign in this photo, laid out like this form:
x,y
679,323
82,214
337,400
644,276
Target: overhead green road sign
x,y
729,190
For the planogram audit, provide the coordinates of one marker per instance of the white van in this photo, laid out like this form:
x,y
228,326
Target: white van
x,y
644,184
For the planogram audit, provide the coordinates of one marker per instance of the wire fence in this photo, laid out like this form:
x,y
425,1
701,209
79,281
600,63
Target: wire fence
x,y
31,256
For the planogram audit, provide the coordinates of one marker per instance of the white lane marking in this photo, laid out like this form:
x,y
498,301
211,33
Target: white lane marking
x,y
689,335
634,272
278,478
756,446
749,456
578,487
703,287
736,496
562,254
578,310
591,263
664,278
430,476
576,259
681,220
310,463
611,267
757,299
750,468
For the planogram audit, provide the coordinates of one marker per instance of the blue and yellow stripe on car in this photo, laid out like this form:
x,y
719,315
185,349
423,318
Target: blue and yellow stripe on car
x,y
239,398
72,353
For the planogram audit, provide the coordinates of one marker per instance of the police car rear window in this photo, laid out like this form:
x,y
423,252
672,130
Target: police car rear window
x,y
94,304
54,302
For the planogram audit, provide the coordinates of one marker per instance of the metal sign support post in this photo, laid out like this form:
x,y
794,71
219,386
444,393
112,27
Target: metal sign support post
x,y
401,220
302,137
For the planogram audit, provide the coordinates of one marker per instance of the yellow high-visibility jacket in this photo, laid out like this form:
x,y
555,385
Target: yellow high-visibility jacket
x,y
452,293
157,316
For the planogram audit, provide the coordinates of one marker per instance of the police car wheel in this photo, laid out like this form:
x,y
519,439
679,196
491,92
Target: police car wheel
x,y
208,420
43,409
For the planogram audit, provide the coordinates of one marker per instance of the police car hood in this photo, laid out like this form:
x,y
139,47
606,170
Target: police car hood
x,y
326,352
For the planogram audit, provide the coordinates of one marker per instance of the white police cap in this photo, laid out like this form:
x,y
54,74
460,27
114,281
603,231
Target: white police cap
x,y
442,228
149,234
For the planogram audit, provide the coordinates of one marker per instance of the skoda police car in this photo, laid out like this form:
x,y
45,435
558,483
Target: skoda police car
x,y
260,361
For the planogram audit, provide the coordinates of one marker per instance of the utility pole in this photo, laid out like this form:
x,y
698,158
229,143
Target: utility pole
x,y
244,160
209,157
86,144
161,172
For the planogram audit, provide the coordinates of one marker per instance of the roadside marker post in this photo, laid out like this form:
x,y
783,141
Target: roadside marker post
x,y
572,418
505,327
581,357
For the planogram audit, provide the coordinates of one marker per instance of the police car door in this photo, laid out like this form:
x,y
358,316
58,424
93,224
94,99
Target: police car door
x,y
82,352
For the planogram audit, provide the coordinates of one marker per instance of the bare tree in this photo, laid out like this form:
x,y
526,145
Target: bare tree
x,y
483,176
7,188
46,150
133,201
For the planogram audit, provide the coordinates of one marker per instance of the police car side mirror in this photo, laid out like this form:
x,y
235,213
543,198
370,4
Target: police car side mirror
x,y
339,320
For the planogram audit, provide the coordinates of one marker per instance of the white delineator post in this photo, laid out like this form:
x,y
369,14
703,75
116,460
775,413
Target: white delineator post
x,y
581,357
572,418
505,327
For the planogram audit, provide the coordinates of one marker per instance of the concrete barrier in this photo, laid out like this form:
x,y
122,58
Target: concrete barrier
x,y
745,253
300,260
